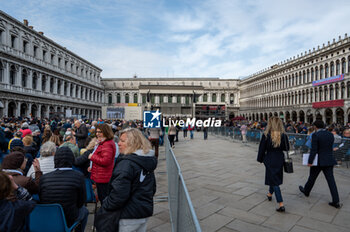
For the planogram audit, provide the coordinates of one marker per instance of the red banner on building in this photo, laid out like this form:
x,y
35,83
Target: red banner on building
x,y
327,104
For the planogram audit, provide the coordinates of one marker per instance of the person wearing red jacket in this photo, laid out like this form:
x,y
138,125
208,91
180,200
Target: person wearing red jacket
x,y
103,159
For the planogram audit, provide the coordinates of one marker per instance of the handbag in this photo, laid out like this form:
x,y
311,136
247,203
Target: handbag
x,y
288,162
107,221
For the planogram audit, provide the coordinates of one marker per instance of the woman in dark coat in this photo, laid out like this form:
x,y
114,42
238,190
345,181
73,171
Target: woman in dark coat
x,y
273,142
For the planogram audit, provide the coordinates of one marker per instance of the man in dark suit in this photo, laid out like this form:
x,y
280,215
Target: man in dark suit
x,y
322,144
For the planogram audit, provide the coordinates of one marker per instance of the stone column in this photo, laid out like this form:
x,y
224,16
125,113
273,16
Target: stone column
x,y
30,79
79,92
6,74
29,110
68,89
39,80
18,109
48,80
39,110
334,115
55,86
6,108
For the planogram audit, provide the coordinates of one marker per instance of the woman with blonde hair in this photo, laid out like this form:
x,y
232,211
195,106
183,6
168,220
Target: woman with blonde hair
x,y
133,183
56,139
273,142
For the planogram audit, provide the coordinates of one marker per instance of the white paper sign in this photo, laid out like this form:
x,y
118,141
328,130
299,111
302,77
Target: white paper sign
x,y
306,159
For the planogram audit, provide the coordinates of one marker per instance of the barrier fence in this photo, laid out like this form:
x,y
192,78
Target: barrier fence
x,y
299,143
182,214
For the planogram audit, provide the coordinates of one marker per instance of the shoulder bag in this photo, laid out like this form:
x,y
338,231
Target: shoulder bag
x,y
288,162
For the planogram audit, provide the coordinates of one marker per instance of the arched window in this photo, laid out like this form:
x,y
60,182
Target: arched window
x,y
161,100
1,67
110,98
135,98
325,93
312,74
178,99
24,78
65,90
316,94
205,98
52,83
76,90
316,73
331,93
348,64
343,66
213,98
144,98
187,100
222,97
304,77
59,88
13,75
126,98
43,83
320,95
326,73
34,80
337,69
118,97
332,69
232,98
342,91
321,72
336,91
308,76
348,90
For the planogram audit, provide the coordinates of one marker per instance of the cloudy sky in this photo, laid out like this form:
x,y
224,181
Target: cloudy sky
x,y
185,38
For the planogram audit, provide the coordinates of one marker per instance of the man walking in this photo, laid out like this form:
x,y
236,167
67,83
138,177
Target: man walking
x,y
322,144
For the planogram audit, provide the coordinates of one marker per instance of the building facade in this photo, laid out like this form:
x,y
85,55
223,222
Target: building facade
x,y
40,78
310,86
175,97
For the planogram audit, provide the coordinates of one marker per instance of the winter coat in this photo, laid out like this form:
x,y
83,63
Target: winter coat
x,y
32,185
273,159
81,134
13,214
103,161
30,150
133,185
65,187
322,144
46,165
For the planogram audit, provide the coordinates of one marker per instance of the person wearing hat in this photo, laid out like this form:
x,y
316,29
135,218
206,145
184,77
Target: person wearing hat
x,y
71,194
14,165
17,136
25,130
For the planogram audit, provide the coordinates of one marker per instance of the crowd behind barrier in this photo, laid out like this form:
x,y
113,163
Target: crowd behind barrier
x,y
300,143
39,139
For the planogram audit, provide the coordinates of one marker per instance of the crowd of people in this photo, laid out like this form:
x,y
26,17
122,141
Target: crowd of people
x,y
49,161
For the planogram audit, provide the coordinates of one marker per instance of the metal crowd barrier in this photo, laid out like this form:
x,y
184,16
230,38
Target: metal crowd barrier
x,y
299,144
182,214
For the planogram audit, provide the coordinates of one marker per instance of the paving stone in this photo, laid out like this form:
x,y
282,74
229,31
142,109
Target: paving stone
x,y
246,191
320,226
248,227
242,215
342,219
214,222
282,221
154,222
322,212
206,210
301,229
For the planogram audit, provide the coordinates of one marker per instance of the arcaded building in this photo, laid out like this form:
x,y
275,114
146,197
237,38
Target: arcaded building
x,y
40,78
174,97
312,85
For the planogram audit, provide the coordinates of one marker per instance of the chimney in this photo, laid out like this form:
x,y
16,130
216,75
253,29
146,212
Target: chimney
x,y
41,33
31,27
25,22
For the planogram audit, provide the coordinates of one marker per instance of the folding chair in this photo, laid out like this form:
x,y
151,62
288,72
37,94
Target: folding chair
x,y
49,217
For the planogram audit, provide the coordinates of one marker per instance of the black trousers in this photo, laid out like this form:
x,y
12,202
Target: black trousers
x,y
102,191
328,173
